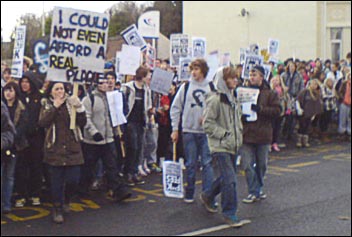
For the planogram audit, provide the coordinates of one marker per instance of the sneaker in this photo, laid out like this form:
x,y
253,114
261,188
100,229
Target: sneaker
x,y
138,179
275,147
130,181
95,185
210,206
188,200
250,199
58,216
262,195
234,221
20,202
35,201
155,168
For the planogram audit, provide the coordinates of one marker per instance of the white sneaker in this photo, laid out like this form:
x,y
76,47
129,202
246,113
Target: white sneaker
x,y
141,171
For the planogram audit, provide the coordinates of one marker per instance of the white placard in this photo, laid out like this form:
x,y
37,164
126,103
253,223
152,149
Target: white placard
x,y
250,61
150,56
267,69
117,62
247,97
185,72
18,52
78,44
149,24
179,47
199,48
172,179
213,64
133,37
226,60
129,59
273,46
161,81
115,101
254,49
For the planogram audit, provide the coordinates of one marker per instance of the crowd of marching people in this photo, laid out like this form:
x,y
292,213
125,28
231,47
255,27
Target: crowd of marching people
x,y
40,151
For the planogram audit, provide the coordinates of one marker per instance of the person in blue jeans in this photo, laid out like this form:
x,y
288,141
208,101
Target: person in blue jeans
x,y
257,135
189,104
223,126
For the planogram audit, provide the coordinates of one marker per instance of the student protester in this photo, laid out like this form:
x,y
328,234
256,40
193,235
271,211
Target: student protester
x,y
311,104
190,104
5,77
18,115
62,149
29,168
257,135
98,143
345,109
223,126
139,102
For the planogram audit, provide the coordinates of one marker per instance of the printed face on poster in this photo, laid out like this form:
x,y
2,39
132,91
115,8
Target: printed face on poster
x,y
198,47
185,72
254,49
267,69
179,47
273,47
78,43
133,37
251,61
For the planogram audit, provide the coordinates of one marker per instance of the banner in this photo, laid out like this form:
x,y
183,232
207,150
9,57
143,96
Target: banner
x,y
248,96
129,59
161,81
185,72
115,101
273,46
18,52
78,44
133,37
172,179
199,48
179,47
249,62
149,24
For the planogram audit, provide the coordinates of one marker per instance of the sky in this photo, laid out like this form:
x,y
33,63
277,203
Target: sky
x,y
11,11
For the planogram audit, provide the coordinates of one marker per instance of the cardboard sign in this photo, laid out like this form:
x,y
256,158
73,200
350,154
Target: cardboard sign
x,y
133,37
199,48
161,81
172,179
78,44
18,52
179,47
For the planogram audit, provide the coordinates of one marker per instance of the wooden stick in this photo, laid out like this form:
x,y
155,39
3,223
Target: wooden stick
x,y
122,143
174,156
73,111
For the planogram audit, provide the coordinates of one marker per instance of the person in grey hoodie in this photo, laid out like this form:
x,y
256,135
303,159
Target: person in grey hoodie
x,y
223,126
189,104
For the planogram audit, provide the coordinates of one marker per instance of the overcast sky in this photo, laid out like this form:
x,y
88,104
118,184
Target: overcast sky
x,y
12,10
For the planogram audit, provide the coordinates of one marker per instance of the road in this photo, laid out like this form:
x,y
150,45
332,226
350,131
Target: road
x,y
309,193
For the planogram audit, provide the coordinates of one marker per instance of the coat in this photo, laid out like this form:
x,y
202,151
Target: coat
x,y
7,129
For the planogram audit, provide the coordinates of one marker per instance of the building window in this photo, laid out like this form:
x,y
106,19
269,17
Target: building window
x,y
336,44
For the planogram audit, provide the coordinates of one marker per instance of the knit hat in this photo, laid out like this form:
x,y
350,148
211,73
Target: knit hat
x,y
259,69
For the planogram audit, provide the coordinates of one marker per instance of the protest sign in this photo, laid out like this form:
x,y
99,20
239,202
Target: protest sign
x,y
248,96
254,49
250,61
273,46
18,52
243,53
267,69
117,62
265,54
129,59
133,37
149,24
198,47
213,64
150,56
78,44
172,179
161,81
185,72
178,48
115,102
226,60
40,49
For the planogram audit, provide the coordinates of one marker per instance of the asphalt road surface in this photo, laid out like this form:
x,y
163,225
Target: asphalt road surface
x,y
309,193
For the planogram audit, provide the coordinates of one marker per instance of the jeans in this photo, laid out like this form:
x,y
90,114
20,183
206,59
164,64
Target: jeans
x,y
135,134
254,160
150,143
64,183
345,119
225,183
195,145
7,181
107,153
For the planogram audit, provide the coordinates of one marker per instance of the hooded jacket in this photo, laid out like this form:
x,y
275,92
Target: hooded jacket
x,y
222,118
7,129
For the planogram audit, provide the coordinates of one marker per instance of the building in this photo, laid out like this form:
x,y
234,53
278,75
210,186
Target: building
x,y
306,30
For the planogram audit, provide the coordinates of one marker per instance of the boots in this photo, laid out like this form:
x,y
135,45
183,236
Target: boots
x,y
299,140
58,216
305,142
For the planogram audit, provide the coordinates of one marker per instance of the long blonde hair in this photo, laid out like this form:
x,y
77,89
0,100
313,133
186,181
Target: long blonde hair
x,y
314,93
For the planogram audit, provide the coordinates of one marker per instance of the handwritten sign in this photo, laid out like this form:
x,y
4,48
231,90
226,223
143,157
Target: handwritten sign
x,y
78,44
161,81
18,52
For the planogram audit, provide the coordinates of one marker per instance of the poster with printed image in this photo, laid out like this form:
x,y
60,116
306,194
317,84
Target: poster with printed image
x,y
198,47
172,179
246,97
185,72
179,47
150,56
77,46
267,69
18,52
133,37
254,49
273,46
250,61
243,53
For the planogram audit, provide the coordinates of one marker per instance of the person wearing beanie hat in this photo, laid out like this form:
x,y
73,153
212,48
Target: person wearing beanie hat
x,y
257,135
